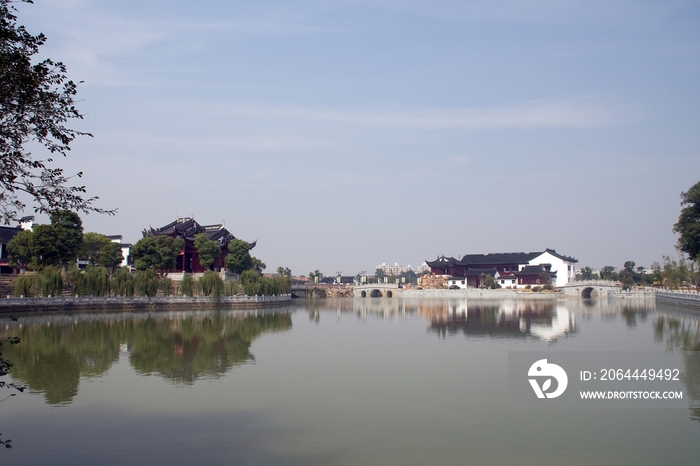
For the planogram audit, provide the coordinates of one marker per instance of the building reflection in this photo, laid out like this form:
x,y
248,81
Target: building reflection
x,y
511,319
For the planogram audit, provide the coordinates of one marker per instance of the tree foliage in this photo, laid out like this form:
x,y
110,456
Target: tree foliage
x,y
688,225
36,102
98,249
56,244
157,253
20,249
207,249
238,259
317,276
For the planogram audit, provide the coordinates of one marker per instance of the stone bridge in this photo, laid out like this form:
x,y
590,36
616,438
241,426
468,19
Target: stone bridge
x,y
590,288
376,290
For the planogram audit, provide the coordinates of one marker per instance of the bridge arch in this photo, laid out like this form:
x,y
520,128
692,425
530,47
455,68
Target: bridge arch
x,y
375,293
589,292
363,294
389,294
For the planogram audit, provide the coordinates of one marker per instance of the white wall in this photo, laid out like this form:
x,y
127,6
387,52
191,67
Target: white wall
x,y
566,271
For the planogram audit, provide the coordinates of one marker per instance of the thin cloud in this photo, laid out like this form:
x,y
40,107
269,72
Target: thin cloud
x,y
537,115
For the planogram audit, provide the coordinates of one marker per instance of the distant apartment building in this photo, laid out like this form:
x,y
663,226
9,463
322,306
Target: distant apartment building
x,y
398,269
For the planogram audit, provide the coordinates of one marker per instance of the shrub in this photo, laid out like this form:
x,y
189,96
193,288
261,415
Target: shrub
x,y
123,282
23,286
166,286
94,282
51,281
145,283
211,285
187,287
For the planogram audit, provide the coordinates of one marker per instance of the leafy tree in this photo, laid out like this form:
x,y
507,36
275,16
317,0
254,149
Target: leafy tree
x,y
586,273
238,259
56,244
20,249
212,285
36,102
315,276
608,273
688,225
145,283
157,253
286,271
487,281
207,249
51,281
123,282
258,265
23,286
98,249
187,287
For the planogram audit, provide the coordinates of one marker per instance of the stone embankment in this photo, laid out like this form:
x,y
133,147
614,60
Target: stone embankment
x,y
685,298
91,303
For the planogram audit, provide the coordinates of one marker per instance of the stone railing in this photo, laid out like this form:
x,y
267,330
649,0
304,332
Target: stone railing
x,y
75,302
679,297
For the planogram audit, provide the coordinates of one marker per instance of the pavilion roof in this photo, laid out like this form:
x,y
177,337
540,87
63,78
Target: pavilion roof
x,y
188,228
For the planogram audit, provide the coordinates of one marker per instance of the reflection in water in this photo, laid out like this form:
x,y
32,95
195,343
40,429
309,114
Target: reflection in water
x,y
544,320
55,352
681,331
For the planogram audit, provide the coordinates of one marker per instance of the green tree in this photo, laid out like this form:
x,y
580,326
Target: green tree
x,y
688,225
286,271
157,253
123,282
238,259
36,102
315,276
207,249
258,265
586,273
20,249
51,281
212,285
608,273
98,249
379,274
58,244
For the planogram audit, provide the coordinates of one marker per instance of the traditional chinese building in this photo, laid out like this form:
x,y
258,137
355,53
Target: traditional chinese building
x,y
513,270
187,229
6,235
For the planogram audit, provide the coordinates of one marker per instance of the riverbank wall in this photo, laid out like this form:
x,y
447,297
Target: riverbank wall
x,y
93,303
684,298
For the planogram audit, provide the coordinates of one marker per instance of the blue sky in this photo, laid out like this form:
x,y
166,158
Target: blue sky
x,y
345,134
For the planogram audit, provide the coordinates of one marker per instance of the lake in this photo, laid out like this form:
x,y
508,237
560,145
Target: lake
x,y
348,381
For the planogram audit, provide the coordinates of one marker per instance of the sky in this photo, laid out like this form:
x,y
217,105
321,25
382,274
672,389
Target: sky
x,y
344,134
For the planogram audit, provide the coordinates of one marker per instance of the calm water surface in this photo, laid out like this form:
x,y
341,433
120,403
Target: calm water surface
x,y
335,382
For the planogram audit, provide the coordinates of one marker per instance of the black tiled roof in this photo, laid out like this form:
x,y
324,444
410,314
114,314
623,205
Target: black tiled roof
x,y
478,272
7,233
442,261
500,258
530,270
188,228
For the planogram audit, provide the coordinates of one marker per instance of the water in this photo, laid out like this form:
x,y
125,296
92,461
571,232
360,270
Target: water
x,y
335,382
